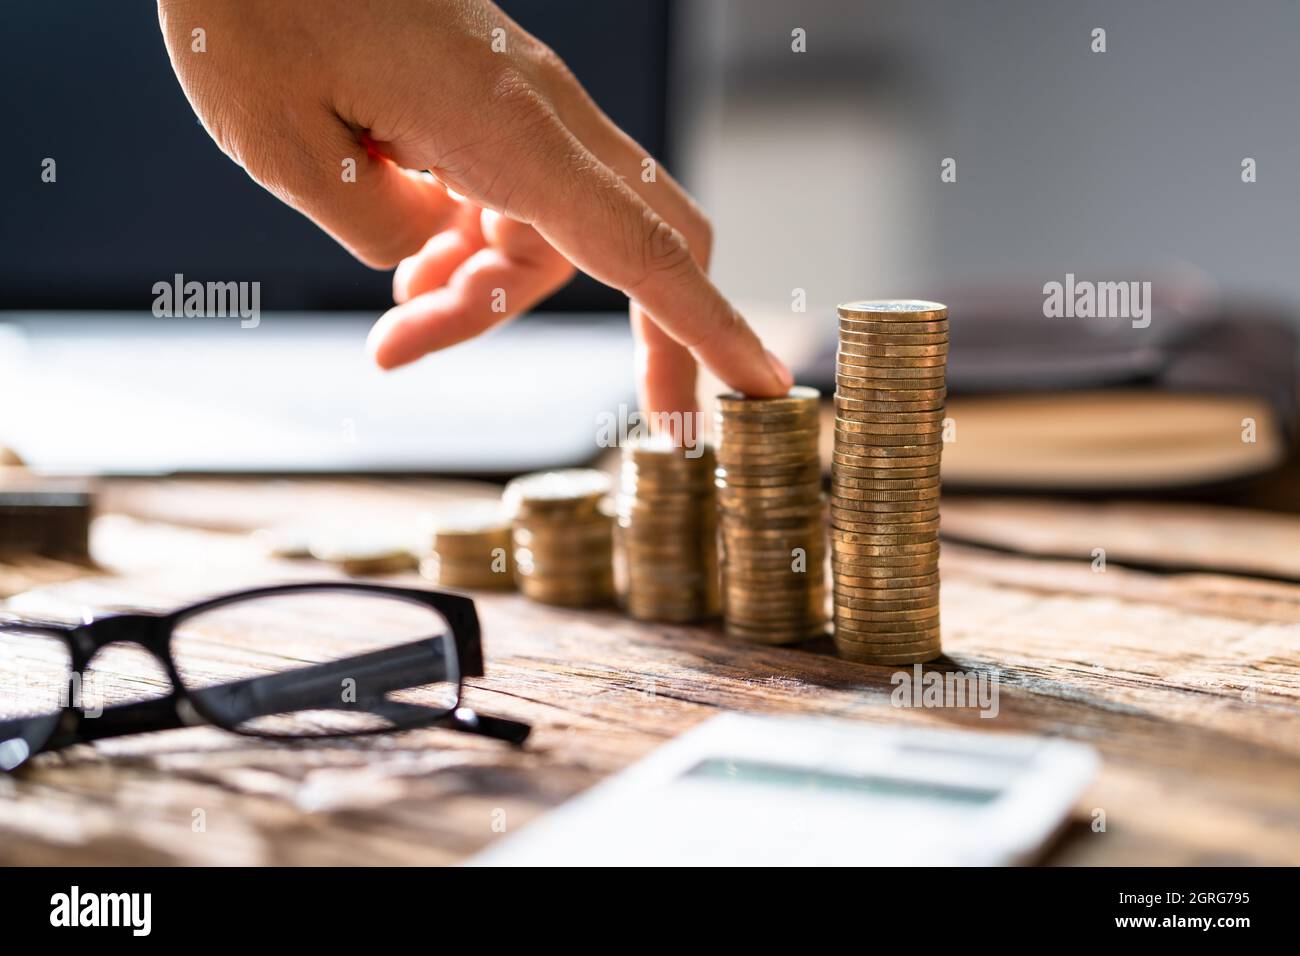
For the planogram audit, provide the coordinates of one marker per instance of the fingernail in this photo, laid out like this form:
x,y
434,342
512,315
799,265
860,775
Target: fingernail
x,y
782,373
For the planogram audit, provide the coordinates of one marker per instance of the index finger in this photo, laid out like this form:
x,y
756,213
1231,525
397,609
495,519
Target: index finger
x,y
604,228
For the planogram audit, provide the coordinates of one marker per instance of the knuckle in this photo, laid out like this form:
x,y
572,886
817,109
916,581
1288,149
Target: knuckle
x,y
550,68
664,252
726,326
517,101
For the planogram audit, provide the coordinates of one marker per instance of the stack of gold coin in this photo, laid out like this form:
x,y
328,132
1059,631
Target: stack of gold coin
x,y
469,547
772,529
885,480
667,530
562,528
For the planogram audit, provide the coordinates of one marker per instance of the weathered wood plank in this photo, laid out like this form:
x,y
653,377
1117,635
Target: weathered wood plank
x,y
1187,684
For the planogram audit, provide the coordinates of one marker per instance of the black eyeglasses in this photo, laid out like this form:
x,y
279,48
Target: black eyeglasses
x,y
286,662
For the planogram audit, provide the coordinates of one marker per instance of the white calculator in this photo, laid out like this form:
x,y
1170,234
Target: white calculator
x,y
804,791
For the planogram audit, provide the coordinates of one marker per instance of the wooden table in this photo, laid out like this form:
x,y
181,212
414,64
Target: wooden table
x,y
1186,680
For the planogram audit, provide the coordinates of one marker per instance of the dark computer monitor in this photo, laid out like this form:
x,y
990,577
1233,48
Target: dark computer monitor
x,y
143,193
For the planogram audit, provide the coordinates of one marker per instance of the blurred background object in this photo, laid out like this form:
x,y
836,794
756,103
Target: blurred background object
x,y
44,518
814,134
821,169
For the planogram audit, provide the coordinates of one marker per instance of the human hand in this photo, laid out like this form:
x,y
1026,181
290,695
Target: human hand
x,y
526,177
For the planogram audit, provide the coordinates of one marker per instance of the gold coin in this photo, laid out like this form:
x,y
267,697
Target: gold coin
x,y
889,379
871,397
857,539
767,461
740,534
849,548
741,476
863,345
875,525
795,399
887,584
869,569
860,456
841,480
887,603
891,340
881,367
854,441
849,561
921,593
869,472
892,511
856,550
897,530
758,416
889,520
802,437
867,454
844,554
884,426
893,310
726,488
847,357
733,448
783,606
882,607
794,622
900,392
919,619
548,488
762,636
882,494
863,632
849,647
846,363
856,623
850,652
880,519
872,444
847,406
911,568
853,380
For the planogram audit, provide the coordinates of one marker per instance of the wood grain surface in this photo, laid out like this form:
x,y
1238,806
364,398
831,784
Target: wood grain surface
x,y
1187,683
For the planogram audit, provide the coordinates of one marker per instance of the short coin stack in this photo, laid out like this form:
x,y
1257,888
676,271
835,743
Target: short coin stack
x,y
885,480
469,547
563,536
668,524
772,525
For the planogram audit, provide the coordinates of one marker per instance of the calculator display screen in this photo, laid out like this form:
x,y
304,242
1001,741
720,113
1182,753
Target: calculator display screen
x,y
808,778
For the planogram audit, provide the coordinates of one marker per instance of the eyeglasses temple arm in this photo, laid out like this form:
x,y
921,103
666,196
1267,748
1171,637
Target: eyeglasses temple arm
x,y
308,688
317,687
9,625
498,728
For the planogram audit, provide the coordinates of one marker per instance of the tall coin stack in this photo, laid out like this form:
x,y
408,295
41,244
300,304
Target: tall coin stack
x,y
563,533
885,480
772,532
667,527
